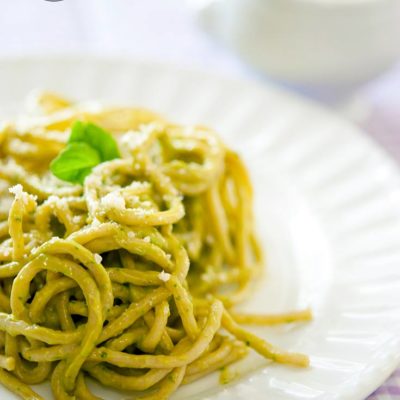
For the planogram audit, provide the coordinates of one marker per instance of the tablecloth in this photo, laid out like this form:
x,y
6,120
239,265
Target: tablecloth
x,y
165,30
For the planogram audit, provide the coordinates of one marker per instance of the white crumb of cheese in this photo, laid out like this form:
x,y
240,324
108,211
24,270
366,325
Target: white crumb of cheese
x,y
17,191
53,198
76,219
164,276
134,199
146,239
131,234
98,258
133,139
113,200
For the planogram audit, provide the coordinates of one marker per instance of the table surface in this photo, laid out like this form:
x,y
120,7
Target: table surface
x,y
165,31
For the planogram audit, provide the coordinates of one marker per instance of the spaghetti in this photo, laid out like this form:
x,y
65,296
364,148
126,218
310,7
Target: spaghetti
x,y
130,277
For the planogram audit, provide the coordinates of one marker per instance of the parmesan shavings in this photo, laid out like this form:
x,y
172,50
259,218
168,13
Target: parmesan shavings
x,y
17,191
98,258
53,199
133,139
113,200
164,276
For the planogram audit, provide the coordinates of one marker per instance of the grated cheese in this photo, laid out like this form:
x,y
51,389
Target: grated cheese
x,y
133,139
113,200
164,276
17,191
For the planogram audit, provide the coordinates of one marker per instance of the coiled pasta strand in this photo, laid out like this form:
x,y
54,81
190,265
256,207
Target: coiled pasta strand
x,y
131,277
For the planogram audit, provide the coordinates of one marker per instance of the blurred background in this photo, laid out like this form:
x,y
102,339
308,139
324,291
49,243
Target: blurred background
x,y
342,53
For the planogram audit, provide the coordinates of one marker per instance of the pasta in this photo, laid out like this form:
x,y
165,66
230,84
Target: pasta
x,y
131,277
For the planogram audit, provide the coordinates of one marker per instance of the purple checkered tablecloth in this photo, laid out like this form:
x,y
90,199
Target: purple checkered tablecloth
x,y
121,27
382,121
390,390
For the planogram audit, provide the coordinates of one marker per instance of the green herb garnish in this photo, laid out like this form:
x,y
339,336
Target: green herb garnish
x,y
95,137
88,146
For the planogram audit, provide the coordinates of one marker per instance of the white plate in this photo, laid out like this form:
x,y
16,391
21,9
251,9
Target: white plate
x,y
327,207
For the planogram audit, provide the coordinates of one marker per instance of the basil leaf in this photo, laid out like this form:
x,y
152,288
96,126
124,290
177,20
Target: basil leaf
x,y
88,146
95,137
75,162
